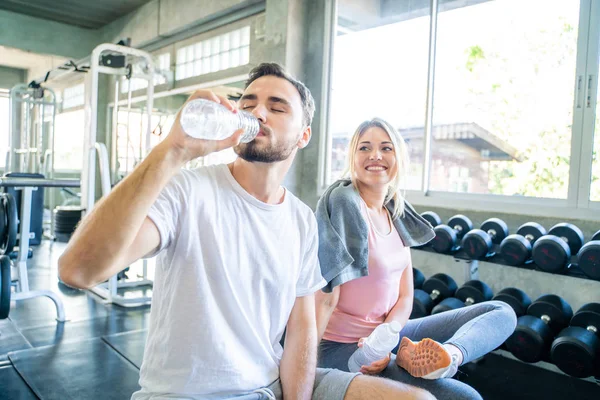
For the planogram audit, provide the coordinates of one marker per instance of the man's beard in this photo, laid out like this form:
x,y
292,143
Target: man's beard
x,y
252,152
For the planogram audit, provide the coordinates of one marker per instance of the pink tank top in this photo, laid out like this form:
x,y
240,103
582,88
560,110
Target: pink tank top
x,y
365,302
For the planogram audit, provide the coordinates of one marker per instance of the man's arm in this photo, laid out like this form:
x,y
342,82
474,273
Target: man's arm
x,y
325,304
299,361
117,231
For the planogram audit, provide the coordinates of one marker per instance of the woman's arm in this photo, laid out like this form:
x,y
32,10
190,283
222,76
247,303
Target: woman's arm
x,y
403,307
325,304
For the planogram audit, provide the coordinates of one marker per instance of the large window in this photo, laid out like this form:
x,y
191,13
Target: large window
x,y
68,140
221,52
510,111
379,70
595,185
503,104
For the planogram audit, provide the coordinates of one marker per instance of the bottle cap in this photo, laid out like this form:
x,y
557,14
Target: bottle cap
x,y
395,326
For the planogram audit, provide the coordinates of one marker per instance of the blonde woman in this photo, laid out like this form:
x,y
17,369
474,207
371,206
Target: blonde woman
x,y
365,231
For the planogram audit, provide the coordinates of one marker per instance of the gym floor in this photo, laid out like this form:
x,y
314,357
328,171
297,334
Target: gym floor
x,y
49,360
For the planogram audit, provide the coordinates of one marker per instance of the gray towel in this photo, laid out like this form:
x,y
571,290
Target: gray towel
x,y
343,233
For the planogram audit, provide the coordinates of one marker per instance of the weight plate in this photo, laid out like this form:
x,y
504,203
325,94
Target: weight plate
x,y
588,259
445,239
596,236
553,306
531,231
551,253
422,304
574,351
418,279
461,224
496,228
475,290
451,303
587,315
431,217
531,339
572,234
8,213
477,244
4,287
516,298
515,250
442,283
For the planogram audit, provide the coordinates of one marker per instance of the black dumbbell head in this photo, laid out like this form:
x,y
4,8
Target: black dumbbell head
x,y
572,234
461,224
530,342
422,304
551,253
515,250
431,217
442,283
588,316
516,298
496,228
418,278
574,351
445,239
451,303
576,348
477,244
588,259
474,292
553,307
596,236
531,231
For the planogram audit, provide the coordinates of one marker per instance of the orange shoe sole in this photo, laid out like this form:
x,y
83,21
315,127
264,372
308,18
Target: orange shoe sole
x,y
422,358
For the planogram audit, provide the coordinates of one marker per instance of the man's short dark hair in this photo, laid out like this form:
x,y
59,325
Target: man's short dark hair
x,y
273,69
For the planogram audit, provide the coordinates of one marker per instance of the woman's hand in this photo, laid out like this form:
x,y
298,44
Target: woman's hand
x,y
376,366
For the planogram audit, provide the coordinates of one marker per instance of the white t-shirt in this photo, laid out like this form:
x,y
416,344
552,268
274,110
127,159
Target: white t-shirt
x,y
229,270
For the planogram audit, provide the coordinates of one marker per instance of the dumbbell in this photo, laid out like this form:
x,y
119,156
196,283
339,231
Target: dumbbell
x,y
418,279
472,292
431,217
576,349
479,243
516,249
434,220
531,340
435,289
588,257
552,252
447,237
515,298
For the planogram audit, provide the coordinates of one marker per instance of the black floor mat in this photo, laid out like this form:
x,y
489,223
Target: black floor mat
x,y
88,370
12,386
129,344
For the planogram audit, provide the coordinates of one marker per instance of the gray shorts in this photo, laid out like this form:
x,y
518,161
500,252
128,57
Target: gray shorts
x,y
330,384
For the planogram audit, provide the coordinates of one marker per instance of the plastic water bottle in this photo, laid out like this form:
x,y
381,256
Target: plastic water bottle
x,y
377,346
205,119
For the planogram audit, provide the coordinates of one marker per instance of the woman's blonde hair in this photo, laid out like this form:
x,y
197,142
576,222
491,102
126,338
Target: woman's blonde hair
x,y
395,190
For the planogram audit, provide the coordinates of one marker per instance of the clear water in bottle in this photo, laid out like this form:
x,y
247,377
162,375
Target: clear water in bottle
x,y
205,119
377,346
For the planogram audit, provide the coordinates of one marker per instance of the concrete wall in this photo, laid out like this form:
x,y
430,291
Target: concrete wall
x,y
45,37
11,76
